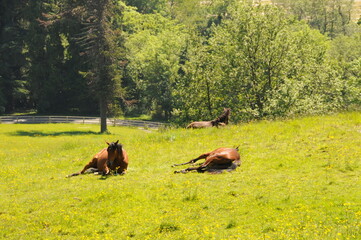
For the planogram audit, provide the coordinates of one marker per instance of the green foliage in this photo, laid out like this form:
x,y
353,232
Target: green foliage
x,y
328,16
179,60
14,89
299,179
153,47
261,63
44,54
148,6
101,45
345,55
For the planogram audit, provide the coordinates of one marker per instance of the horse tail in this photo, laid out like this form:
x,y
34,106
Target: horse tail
x,y
72,175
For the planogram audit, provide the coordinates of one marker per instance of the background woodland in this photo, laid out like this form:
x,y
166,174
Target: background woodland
x,y
180,60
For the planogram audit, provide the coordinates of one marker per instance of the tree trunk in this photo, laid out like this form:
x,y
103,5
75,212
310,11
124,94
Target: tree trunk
x,y
103,114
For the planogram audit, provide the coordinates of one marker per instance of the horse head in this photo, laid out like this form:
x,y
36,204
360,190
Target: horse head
x,y
114,149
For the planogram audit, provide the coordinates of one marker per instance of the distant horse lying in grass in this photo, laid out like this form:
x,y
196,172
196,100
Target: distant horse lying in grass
x,y
217,161
222,120
114,158
204,124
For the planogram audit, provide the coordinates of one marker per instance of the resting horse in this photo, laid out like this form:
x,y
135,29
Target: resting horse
x,y
222,120
216,161
114,158
204,124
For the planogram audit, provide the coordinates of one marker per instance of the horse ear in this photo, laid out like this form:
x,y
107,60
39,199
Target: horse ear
x,y
117,142
107,143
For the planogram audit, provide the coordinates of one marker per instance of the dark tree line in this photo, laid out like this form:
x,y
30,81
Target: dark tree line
x,y
179,60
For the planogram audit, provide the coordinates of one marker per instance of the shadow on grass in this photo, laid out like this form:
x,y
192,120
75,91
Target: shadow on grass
x,y
46,134
103,177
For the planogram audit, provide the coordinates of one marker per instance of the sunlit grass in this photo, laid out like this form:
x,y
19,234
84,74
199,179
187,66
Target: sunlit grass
x,y
299,180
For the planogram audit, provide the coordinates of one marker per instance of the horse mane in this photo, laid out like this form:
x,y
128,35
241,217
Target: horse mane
x,y
215,122
120,148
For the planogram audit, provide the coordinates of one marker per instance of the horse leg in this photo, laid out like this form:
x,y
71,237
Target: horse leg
x,y
198,169
88,170
104,171
201,168
72,175
91,164
193,160
92,170
121,171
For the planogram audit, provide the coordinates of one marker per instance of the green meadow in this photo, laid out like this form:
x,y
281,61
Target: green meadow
x,y
299,179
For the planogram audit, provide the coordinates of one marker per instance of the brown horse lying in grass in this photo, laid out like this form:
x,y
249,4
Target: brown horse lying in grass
x,y
114,158
204,124
217,161
222,120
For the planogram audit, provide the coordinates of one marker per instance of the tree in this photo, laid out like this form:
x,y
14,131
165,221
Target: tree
x,y
261,63
328,16
154,46
53,60
196,90
14,91
243,60
100,42
147,6
44,53
344,54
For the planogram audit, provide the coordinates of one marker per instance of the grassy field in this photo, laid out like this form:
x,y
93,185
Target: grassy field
x,y
300,179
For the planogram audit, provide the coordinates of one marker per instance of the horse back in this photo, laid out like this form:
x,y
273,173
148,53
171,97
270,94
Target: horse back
x,y
227,159
101,159
202,124
226,154
98,161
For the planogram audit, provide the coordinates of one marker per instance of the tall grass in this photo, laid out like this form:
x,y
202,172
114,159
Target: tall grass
x,y
299,179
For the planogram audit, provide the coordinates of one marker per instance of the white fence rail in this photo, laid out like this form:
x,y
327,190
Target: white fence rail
x,y
77,119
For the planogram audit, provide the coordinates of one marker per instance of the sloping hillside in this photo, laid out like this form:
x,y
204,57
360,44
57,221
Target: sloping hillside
x,y
299,179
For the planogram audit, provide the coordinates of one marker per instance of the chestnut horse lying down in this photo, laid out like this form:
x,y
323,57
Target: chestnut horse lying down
x,y
114,158
217,161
